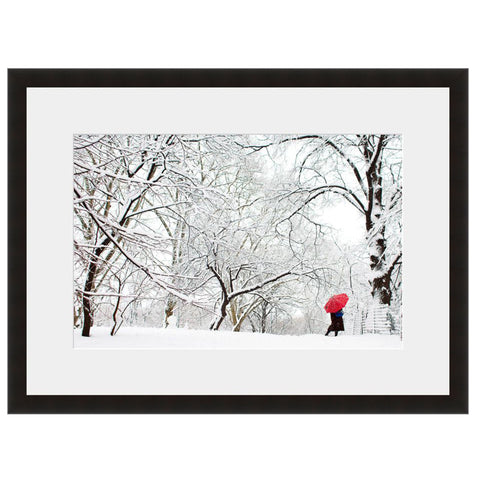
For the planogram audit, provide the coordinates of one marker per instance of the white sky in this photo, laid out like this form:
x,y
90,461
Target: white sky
x,y
346,220
348,223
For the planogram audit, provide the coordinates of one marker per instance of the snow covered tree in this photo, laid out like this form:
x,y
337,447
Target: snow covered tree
x,y
127,189
365,171
229,227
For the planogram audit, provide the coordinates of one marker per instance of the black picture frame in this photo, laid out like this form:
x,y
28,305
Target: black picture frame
x,y
456,80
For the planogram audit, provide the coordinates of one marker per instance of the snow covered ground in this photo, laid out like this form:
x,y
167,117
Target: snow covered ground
x,y
159,338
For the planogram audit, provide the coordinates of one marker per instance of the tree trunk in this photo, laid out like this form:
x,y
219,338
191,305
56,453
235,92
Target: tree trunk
x,y
380,282
169,308
88,288
381,289
114,315
76,316
263,321
237,327
215,325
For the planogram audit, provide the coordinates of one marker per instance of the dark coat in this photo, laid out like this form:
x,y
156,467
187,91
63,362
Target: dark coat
x,y
337,324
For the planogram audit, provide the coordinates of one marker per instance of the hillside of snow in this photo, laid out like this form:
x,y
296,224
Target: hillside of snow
x,y
160,338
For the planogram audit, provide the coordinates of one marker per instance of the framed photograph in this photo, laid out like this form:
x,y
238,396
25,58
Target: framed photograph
x,y
238,241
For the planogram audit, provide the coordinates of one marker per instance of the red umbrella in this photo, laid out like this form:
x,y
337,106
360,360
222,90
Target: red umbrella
x,y
336,303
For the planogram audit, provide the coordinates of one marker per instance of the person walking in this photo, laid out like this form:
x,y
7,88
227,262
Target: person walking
x,y
337,323
334,308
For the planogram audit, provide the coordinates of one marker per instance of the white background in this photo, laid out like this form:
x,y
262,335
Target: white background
x,y
250,34
421,367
